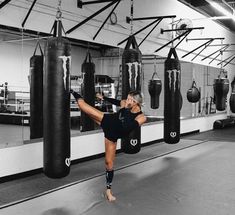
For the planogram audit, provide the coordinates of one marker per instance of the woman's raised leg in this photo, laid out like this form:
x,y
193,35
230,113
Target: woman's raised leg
x,y
92,112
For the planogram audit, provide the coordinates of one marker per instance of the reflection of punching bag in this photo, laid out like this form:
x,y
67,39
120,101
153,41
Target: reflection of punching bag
x,y
88,91
56,105
221,88
36,94
232,97
131,80
172,99
154,88
193,94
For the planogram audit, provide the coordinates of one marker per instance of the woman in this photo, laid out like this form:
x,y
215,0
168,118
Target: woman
x,y
115,126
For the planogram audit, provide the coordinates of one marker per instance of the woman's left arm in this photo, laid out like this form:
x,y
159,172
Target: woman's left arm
x,y
141,119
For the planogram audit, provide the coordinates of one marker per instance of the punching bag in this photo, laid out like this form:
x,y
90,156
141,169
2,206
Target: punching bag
x,y
56,105
232,97
221,88
193,94
36,94
172,98
154,88
88,92
131,80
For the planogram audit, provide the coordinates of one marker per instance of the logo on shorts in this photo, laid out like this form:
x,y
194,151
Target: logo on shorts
x,y
67,162
173,134
133,142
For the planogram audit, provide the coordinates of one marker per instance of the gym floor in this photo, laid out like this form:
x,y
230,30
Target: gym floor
x,y
195,176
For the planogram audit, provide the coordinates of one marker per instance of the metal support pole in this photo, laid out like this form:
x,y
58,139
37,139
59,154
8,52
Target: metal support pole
x,y
150,32
204,44
4,3
106,20
139,31
81,3
221,49
176,38
25,19
90,17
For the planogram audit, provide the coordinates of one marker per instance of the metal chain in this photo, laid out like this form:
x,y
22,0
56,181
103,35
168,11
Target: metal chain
x,y
132,11
59,13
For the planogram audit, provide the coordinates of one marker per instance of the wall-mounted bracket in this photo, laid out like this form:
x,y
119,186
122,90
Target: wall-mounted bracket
x,y
25,19
186,32
157,20
206,44
93,15
81,3
4,3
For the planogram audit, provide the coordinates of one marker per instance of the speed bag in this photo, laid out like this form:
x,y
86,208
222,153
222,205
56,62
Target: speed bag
x,y
193,94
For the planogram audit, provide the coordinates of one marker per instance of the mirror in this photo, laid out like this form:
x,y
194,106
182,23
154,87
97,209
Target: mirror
x,y
17,49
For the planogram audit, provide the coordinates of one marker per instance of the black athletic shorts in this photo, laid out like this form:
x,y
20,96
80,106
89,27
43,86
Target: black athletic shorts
x,y
112,127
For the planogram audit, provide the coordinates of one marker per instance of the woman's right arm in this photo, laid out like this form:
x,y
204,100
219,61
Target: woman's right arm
x,y
111,100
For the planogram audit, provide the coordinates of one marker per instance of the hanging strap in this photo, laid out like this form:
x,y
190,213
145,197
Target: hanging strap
x,y
222,72
38,45
194,85
88,58
172,51
131,41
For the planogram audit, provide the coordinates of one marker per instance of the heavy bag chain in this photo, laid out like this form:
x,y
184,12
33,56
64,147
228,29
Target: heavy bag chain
x,y
59,13
132,12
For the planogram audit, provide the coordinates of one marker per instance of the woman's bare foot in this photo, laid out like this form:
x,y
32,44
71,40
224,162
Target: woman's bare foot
x,y
110,196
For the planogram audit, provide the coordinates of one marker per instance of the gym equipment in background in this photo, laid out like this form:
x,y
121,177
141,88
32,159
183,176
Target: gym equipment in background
x,y
232,97
36,94
56,105
88,92
154,89
131,80
193,94
224,123
172,98
221,88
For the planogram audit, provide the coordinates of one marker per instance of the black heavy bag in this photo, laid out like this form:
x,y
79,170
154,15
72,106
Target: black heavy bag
x,y
36,94
88,92
131,80
232,97
56,107
154,88
221,88
193,94
172,98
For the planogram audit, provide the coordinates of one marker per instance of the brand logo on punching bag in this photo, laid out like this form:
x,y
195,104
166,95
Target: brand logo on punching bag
x,y
67,162
133,142
173,134
174,72
66,65
133,74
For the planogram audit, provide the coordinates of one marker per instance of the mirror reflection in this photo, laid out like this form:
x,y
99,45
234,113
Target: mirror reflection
x,y
16,86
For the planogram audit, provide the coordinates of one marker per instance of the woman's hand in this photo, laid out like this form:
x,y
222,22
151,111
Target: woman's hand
x,y
99,96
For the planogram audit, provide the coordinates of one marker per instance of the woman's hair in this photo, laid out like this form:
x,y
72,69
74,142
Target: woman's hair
x,y
137,96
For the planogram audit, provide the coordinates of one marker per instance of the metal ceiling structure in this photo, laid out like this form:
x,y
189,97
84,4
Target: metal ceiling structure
x,y
204,7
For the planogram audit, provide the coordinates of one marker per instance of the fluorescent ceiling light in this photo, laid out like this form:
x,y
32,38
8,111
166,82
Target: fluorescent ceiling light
x,y
222,10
